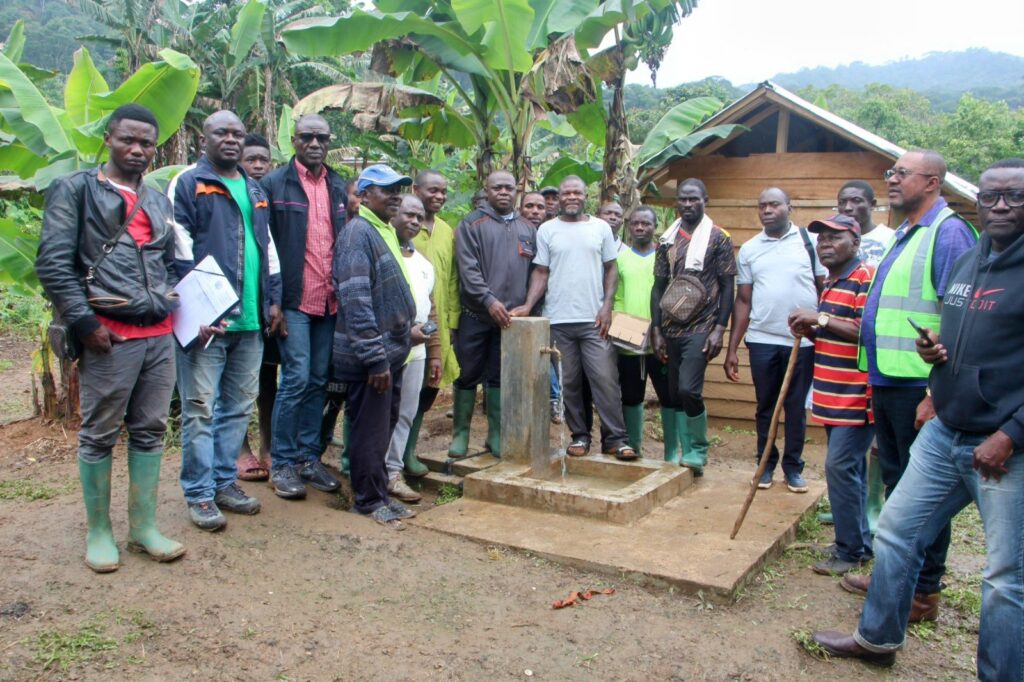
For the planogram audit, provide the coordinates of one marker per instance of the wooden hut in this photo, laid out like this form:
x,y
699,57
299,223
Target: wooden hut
x,y
805,150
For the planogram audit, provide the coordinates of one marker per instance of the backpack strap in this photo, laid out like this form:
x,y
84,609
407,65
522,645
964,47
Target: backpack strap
x,y
810,254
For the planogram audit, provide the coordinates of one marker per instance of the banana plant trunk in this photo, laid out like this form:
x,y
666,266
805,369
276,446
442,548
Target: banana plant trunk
x,y
269,119
618,179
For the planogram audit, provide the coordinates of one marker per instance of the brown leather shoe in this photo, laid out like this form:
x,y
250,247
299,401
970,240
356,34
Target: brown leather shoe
x,y
856,584
841,645
923,607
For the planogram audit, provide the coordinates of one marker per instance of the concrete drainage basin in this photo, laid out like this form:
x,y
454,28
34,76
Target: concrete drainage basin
x,y
596,486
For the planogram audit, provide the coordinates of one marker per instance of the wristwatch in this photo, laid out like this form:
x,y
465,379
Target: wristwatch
x,y
823,319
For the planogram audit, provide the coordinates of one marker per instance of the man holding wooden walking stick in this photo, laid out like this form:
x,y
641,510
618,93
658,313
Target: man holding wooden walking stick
x,y
971,451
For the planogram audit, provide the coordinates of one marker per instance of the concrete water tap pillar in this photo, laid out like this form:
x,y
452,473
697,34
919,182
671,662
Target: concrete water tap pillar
x,y
525,391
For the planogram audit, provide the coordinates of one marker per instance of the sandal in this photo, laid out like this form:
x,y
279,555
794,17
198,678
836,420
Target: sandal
x,y
251,469
578,448
623,453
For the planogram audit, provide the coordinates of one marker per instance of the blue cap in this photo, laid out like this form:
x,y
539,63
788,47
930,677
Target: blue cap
x,y
382,176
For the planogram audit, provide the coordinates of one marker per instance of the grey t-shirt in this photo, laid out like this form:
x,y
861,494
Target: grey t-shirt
x,y
780,271
575,254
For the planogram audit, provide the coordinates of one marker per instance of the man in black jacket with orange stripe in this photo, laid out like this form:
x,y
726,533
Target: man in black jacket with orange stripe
x,y
220,212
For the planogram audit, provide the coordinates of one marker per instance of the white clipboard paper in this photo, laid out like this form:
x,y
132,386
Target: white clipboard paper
x,y
204,296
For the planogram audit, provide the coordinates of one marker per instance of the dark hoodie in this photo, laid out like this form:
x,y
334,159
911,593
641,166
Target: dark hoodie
x,y
980,387
494,258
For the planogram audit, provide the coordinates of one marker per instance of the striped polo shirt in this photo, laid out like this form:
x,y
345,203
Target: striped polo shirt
x,y
841,391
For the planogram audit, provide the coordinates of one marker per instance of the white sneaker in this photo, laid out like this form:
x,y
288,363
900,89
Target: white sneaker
x,y
399,489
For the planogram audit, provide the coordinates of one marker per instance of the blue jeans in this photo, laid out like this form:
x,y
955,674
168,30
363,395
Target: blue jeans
x,y
218,387
768,369
556,388
299,406
938,482
846,475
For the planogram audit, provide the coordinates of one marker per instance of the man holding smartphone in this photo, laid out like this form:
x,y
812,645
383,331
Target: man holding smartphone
x,y
911,280
971,451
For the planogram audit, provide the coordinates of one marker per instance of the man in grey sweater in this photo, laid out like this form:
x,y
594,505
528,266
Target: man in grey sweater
x,y
494,246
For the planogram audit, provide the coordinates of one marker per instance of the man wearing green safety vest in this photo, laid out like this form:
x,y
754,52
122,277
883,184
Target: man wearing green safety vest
x,y
910,282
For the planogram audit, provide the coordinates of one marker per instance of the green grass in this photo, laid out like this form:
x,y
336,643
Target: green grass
x,y
963,593
447,493
968,532
30,491
21,314
805,639
743,432
63,649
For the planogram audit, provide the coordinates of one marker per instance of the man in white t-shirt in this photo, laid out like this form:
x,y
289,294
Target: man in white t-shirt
x,y
857,200
777,273
575,265
426,348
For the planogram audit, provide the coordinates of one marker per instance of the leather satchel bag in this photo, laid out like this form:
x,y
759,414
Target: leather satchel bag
x,y
685,296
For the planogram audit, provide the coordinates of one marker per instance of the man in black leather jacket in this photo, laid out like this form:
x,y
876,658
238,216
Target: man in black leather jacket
x,y
106,260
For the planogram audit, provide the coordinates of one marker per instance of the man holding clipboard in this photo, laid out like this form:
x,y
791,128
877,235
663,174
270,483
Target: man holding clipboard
x,y
220,212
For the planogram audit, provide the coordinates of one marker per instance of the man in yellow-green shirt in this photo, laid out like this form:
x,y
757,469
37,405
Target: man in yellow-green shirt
x,y
635,267
436,241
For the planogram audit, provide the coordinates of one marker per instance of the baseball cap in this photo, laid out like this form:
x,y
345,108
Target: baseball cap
x,y
837,222
380,175
544,191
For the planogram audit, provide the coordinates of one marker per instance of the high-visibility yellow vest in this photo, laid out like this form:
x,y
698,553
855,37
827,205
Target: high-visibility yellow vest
x,y
907,291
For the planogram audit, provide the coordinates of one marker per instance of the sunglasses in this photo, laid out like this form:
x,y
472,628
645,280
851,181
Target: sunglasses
x,y
322,138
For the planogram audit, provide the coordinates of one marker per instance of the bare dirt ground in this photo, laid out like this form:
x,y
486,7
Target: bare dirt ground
x,y
308,591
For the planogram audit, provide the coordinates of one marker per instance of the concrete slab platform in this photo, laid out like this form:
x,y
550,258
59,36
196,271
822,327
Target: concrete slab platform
x,y
685,542
597,486
438,460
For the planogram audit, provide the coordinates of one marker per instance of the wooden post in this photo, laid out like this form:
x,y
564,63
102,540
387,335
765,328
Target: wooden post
x,y
782,133
525,390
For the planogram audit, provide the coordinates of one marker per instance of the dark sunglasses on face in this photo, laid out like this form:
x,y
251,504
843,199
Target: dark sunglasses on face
x,y
322,138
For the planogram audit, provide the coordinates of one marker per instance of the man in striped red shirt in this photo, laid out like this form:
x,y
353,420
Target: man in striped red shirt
x,y
841,393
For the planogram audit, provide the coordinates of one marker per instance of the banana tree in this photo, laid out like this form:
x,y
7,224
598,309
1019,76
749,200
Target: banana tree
x,y
39,141
511,62
645,39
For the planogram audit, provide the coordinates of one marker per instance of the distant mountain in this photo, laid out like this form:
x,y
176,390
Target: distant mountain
x,y
941,76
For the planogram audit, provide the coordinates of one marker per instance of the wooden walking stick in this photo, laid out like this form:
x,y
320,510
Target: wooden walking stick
x,y
772,431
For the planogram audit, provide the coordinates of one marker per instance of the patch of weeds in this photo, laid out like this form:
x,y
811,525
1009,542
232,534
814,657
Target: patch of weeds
x,y
21,312
447,493
797,603
31,491
805,639
728,428
715,441
924,631
62,649
810,529
964,595
249,632
768,577
138,623
703,603
5,365
968,532
586,661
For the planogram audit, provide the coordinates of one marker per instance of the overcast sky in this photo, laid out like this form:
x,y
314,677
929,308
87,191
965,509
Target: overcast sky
x,y
748,41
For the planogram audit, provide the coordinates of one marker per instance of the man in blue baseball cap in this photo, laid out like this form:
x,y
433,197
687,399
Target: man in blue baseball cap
x,y
371,340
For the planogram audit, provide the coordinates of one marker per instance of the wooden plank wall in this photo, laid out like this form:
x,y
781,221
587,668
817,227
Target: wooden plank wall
x,y
812,181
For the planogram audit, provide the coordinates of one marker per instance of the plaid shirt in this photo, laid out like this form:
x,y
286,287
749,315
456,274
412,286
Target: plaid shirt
x,y
317,285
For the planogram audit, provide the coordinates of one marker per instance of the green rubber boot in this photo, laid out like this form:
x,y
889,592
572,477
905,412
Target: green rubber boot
x,y
413,466
346,434
143,536
493,441
462,414
100,549
633,415
695,451
876,490
669,427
